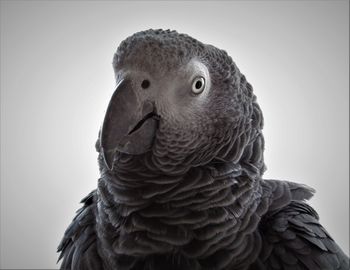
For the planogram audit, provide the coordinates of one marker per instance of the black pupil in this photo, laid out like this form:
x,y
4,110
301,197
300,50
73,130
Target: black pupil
x,y
198,85
145,84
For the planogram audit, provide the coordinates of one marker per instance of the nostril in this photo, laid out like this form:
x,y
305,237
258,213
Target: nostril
x,y
145,84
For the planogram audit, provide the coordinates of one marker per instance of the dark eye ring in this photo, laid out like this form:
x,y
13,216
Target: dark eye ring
x,y
198,85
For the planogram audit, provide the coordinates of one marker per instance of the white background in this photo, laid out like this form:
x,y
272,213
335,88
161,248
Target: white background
x,y
56,81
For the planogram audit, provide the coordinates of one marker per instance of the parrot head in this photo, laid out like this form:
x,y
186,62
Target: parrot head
x,y
181,102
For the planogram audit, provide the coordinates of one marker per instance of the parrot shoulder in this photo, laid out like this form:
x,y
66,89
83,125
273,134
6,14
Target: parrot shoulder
x,y
291,234
78,248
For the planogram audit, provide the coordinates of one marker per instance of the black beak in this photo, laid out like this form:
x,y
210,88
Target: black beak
x,y
129,126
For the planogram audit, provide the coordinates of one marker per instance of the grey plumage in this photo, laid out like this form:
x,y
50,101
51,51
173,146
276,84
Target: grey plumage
x,y
181,163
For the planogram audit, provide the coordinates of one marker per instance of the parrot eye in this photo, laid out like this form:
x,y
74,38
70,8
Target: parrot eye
x,y
198,85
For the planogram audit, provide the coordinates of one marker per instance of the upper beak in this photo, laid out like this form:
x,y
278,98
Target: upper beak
x,y
129,125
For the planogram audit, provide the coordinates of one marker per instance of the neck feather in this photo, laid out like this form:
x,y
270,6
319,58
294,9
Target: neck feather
x,y
195,213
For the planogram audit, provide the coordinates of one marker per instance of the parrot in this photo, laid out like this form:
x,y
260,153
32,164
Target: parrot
x,y
181,162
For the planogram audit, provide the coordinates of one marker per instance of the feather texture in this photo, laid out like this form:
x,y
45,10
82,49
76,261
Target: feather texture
x,y
196,200
294,239
79,246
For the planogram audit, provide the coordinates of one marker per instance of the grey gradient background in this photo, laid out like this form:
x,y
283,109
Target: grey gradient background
x,y
56,81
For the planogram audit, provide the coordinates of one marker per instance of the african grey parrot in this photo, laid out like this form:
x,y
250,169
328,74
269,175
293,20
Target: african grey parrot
x,y
181,163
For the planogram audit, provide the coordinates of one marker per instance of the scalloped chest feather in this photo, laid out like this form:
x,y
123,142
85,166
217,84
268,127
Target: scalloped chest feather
x,y
205,215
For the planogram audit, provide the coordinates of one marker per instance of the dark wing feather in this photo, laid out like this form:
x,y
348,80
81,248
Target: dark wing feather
x,y
78,247
294,239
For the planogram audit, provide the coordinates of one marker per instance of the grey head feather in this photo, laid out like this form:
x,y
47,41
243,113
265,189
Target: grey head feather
x,y
223,122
